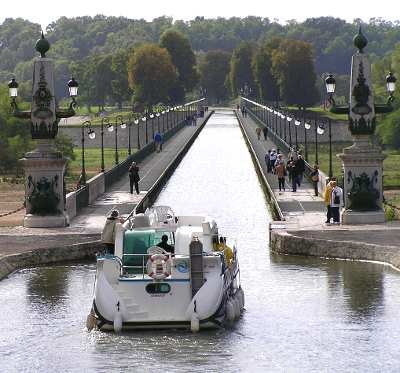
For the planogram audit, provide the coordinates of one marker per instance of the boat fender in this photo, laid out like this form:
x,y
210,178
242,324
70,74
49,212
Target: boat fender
x,y
230,311
118,320
194,321
91,320
236,307
159,266
240,293
240,296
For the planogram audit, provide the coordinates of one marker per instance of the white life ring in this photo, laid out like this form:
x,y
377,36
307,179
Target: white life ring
x,y
159,266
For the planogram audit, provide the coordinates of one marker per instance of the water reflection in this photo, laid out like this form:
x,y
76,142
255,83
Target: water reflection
x,y
48,286
363,289
359,285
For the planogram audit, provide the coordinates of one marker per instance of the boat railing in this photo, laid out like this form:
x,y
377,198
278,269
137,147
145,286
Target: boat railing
x,y
125,268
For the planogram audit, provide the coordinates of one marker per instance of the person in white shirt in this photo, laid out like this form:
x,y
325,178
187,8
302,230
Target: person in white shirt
x,y
336,202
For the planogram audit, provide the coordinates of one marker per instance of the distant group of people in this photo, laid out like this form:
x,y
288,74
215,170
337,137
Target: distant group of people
x,y
264,130
244,111
294,168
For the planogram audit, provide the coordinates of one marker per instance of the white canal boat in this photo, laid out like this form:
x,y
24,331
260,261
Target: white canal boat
x,y
146,286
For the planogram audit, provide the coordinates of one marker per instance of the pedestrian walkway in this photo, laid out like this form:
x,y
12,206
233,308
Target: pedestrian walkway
x,y
305,213
302,207
88,225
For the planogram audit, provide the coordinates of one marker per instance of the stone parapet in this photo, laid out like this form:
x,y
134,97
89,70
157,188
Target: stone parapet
x,y
11,263
287,242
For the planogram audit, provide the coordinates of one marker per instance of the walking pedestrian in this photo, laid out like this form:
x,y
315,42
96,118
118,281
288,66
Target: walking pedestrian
x,y
108,233
134,177
300,168
258,132
327,199
244,112
336,202
290,169
280,171
268,161
265,132
158,141
295,173
315,179
272,160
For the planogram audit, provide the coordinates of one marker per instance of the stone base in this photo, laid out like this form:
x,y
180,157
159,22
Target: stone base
x,y
363,217
47,221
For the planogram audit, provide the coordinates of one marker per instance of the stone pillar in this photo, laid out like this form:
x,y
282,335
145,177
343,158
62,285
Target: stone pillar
x,y
44,192
363,161
44,167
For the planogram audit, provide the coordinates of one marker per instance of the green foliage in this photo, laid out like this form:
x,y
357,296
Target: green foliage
x,y
15,137
182,55
214,71
120,90
151,74
267,84
241,73
293,68
389,130
390,213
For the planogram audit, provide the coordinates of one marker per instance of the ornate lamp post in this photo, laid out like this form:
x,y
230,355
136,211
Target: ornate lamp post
x,y
137,122
152,125
289,120
307,126
130,122
110,128
319,130
44,167
296,124
92,135
362,162
118,119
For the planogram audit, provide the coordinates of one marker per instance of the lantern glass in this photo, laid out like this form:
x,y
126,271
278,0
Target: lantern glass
x,y
91,134
123,125
73,91
110,128
13,92
391,87
297,122
330,84
320,130
391,83
307,125
136,121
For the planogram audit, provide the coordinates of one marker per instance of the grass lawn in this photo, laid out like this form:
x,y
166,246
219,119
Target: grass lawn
x,y
320,110
391,169
92,163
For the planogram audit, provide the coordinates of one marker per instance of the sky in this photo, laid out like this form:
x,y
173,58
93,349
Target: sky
x,y
47,11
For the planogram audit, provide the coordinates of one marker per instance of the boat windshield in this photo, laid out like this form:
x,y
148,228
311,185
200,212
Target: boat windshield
x,y
136,244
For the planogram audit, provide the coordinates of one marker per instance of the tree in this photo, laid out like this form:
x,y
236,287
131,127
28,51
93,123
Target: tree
x,y
15,137
293,68
267,85
241,73
120,90
183,58
151,75
214,70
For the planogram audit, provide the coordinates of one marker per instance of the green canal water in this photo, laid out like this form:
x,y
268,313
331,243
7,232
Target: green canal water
x,y
302,314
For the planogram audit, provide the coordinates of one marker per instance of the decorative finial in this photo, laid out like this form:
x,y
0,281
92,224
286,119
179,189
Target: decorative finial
x,y
42,46
360,41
